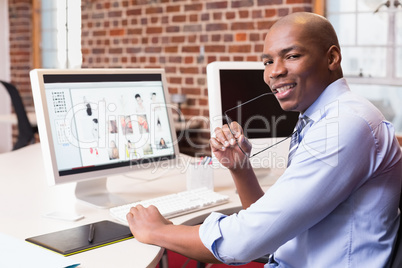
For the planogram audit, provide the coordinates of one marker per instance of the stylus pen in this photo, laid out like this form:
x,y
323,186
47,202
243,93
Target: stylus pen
x,y
91,233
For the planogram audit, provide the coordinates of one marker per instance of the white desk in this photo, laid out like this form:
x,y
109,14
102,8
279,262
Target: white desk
x,y
25,197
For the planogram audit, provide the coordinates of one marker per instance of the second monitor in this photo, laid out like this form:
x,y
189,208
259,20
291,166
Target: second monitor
x,y
231,84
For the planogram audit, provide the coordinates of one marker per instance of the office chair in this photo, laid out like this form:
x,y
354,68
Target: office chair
x,y
25,130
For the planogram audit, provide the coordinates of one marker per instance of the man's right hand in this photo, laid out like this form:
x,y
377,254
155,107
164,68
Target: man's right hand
x,y
225,146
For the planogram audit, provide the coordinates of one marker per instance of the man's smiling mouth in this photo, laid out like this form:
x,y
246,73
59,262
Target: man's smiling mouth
x,y
285,88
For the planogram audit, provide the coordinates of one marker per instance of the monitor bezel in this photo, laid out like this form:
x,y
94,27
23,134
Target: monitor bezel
x,y
47,143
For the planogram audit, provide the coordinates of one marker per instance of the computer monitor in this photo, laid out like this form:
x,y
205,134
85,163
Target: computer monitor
x,y
95,123
263,120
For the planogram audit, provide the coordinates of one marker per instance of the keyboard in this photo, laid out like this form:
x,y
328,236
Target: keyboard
x,y
174,205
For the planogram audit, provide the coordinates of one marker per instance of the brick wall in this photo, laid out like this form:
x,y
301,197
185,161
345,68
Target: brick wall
x,y
20,15
159,33
171,33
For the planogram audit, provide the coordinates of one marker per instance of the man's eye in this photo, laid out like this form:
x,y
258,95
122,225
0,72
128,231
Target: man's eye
x,y
294,56
268,62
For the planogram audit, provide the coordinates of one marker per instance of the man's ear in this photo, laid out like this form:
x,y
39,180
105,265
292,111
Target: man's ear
x,y
334,58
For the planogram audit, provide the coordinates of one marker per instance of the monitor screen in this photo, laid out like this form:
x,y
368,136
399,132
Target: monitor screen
x,y
94,123
264,122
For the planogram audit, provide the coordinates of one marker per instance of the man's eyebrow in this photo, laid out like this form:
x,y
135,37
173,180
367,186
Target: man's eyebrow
x,y
282,52
265,56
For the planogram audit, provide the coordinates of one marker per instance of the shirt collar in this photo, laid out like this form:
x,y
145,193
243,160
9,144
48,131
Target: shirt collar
x,y
328,97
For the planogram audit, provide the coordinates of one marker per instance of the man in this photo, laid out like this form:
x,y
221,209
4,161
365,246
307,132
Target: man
x,y
336,205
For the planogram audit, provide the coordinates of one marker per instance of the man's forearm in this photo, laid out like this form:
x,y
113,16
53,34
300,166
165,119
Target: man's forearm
x,y
184,240
247,185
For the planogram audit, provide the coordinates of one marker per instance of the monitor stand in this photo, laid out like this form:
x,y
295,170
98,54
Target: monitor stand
x,y
95,193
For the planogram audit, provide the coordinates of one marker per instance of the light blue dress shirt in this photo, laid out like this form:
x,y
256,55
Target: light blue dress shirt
x,y
336,205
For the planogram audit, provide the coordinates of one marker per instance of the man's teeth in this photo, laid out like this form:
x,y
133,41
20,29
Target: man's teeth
x,y
283,89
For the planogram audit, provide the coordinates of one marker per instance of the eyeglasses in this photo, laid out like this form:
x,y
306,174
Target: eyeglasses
x,y
229,122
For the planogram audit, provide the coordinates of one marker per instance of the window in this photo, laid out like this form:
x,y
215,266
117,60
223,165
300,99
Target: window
x,y
370,35
61,34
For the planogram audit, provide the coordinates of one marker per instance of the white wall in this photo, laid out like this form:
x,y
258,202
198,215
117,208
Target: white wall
x,y
5,103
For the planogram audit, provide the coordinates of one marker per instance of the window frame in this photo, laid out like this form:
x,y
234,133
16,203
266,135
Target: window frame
x,y
391,47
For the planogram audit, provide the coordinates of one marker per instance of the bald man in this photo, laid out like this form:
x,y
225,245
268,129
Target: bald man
x,y
336,205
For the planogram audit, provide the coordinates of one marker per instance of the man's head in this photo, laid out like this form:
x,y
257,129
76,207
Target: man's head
x,y
301,57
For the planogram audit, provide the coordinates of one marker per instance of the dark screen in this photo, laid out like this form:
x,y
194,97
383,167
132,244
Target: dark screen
x,y
262,118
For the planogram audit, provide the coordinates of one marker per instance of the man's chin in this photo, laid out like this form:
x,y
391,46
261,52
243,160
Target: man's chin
x,y
289,107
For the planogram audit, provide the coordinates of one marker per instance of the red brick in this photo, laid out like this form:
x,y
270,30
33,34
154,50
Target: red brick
x,y
175,59
155,40
154,30
217,27
192,28
205,17
99,33
175,80
191,49
173,29
153,10
173,90
190,111
117,32
242,26
179,18
134,31
228,37
243,14
240,49
193,18
115,50
216,37
115,14
189,70
215,48
259,48
211,59
153,50
133,50
217,16
238,58
255,37
193,7
242,3
189,81
253,58
241,37
269,2
270,12
191,91
217,5
203,102
230,15
176,8
171,49
283,12
204,38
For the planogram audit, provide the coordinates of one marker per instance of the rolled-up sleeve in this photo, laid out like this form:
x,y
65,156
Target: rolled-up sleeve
x,y
211,235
